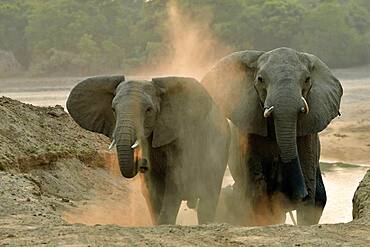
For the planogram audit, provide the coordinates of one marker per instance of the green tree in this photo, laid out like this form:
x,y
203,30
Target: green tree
x,y
108,35
326,33
13,22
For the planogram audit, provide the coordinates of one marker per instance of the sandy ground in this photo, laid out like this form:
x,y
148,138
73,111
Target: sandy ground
x,y
49,178
347,139
30,216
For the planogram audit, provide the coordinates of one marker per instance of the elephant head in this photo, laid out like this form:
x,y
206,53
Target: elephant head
x,y
296,90
135,113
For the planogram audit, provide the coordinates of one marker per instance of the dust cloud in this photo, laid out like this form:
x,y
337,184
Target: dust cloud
x,y
192,46
121,204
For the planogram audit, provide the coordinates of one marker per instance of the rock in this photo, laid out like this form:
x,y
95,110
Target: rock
x,y
65,200
361,200
56,111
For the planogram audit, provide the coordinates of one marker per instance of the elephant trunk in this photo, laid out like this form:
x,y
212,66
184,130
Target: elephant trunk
x,y
285,129
285,114
125,138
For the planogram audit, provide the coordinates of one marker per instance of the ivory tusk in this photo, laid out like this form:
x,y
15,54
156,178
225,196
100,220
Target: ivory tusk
x,y
268,111
112,144
292,218
306,109
135,145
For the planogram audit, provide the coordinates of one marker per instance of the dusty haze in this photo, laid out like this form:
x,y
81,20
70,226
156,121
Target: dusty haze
x,y
192,47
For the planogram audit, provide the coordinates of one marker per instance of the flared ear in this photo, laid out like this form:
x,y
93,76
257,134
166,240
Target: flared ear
x,y
184,104
231,84
323,99
90,103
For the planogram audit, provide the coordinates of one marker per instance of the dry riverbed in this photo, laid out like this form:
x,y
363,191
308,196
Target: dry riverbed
x,y
52,171
54,174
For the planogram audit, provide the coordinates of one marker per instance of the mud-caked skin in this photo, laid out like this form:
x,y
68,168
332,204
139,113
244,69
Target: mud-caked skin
x,y
279,101
169,128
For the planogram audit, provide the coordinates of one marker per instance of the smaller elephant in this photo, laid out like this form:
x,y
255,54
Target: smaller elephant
x,y
169,128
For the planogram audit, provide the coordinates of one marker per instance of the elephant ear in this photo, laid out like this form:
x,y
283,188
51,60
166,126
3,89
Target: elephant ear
x,y
184,104
90,103
323,99
231,84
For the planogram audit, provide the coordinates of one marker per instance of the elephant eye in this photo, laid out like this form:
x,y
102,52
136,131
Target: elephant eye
x,y
308,79
149,110
260,79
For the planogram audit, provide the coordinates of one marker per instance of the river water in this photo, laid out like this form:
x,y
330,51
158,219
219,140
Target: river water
x,y
341,181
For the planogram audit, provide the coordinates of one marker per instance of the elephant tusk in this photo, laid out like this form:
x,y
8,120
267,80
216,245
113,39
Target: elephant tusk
x,y
268,111
292,217
135,145
305,109
112,144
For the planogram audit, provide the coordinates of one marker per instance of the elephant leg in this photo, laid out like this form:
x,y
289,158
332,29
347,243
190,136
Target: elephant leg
x,y
254,182
310,213
270,205
320,195
209,187
309,154
153,191
208,203
170,204
206,209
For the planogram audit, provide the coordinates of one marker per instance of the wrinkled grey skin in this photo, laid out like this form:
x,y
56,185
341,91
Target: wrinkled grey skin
x,y
281,148
183,137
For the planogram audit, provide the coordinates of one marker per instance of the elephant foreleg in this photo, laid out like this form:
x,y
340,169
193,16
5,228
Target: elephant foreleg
x,y
208,204
309,211
153,190
320,195
170,204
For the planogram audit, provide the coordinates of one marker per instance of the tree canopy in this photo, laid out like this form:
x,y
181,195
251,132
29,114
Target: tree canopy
x,y
81,36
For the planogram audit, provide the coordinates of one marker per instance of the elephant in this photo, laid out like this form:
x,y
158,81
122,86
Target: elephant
x,y
167,128
279,101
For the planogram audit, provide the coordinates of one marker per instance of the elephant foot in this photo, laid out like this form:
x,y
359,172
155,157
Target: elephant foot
x,y
269,210
292,182
308,214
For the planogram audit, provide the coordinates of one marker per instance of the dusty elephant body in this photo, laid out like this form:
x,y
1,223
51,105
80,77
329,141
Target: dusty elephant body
x,y
168,127
279,101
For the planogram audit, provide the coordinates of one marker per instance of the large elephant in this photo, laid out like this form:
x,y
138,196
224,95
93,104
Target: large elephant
x,y
169,128
279,100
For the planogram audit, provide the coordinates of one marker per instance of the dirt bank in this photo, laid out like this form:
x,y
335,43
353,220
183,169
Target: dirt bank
x,y
35,136
54,173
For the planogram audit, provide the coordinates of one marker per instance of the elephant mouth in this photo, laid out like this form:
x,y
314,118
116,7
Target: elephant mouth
x,y
141,163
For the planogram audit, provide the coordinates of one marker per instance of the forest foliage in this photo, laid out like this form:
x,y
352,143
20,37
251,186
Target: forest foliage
x,y
84,36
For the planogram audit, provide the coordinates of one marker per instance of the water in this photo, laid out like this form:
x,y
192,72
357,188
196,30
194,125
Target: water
x,y
340,181
41,98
